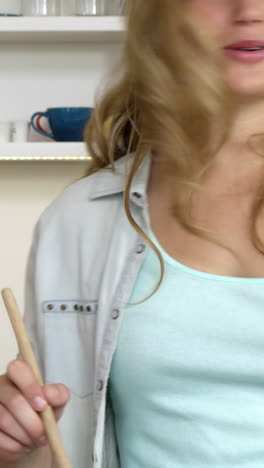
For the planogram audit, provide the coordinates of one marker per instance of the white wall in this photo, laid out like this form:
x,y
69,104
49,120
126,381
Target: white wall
x,y
34,77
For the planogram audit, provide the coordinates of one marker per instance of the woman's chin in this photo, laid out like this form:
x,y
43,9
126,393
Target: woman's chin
x,y
246,86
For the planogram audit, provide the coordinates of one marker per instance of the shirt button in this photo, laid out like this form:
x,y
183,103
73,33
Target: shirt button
x,y
115,314
140,248
100,385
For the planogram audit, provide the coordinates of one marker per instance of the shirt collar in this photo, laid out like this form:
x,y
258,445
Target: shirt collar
x,y
107,182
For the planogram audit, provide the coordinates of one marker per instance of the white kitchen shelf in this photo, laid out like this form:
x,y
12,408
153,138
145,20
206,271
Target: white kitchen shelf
x,y
38,151
63,29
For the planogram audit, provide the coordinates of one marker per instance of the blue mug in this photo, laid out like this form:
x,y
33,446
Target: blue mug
x,y
66,123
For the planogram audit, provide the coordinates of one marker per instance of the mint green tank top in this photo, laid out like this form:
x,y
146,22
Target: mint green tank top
x,y
187,376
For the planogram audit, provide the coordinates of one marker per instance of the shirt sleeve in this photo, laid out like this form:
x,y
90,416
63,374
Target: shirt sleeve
x,y
32,305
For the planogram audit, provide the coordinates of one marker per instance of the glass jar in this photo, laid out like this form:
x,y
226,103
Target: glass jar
x,y
114,7
90,7
41,7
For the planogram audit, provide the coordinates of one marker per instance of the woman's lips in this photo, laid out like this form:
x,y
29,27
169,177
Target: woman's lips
x,y
245,56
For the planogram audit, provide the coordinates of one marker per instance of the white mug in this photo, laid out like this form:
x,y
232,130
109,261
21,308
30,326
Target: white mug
x,y
5,131
19,131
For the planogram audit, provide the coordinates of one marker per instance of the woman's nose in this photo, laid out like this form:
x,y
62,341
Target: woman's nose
x,y
248,11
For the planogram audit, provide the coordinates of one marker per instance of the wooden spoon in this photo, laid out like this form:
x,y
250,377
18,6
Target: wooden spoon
x,y
27,353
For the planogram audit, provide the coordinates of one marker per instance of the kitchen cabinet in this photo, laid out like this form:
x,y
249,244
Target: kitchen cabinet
x,y
53,62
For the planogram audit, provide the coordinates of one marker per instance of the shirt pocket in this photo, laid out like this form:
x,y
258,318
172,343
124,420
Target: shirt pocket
x,y
69,344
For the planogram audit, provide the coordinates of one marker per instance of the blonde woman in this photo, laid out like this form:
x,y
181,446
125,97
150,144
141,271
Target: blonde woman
x,y
156,367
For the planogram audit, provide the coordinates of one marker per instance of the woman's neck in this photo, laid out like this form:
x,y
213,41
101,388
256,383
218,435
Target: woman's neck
x,y
237,167
248,119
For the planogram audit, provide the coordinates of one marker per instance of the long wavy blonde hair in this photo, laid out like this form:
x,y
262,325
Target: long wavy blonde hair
x,y
167,88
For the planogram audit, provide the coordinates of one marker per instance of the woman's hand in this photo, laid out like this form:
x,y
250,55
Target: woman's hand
x,y
21,401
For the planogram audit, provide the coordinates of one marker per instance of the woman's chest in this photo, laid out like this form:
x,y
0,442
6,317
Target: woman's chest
x,y
229,220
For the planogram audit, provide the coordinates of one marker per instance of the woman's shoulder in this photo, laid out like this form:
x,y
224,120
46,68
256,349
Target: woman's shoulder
x,y
87,197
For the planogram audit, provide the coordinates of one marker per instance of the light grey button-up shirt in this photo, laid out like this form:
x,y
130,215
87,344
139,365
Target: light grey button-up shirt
x,y
81,269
